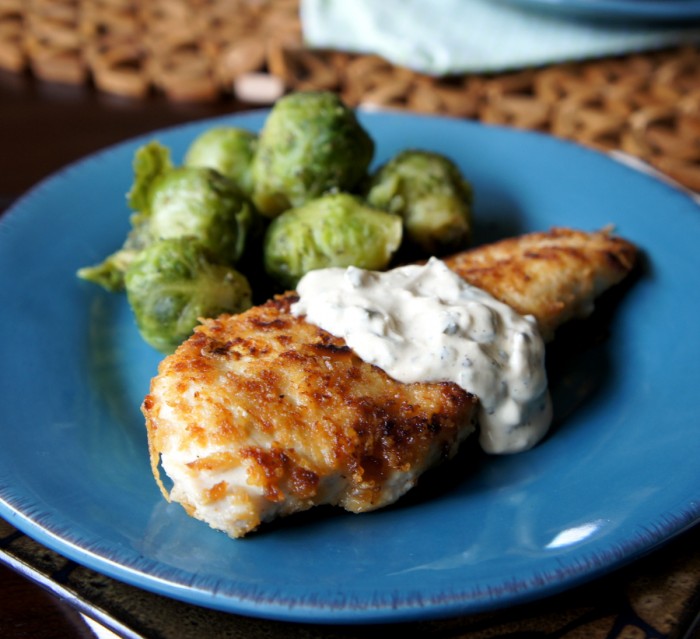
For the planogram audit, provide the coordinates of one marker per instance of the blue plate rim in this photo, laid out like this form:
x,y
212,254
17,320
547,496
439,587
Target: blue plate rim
x,y
317,610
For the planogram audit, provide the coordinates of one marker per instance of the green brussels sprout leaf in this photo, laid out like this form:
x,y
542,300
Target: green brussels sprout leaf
x,y
109,274
150,161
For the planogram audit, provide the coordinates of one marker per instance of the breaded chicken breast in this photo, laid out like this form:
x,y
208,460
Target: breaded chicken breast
x,y
262,414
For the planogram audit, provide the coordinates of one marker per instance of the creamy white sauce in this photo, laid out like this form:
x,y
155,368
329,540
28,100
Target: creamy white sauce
x,y
426,324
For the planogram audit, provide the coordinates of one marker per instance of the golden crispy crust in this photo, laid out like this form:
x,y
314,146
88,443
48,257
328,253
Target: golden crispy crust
x,y
295,405
554,275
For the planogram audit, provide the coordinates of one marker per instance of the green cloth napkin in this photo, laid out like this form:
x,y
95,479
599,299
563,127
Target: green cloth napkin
x,y
441,37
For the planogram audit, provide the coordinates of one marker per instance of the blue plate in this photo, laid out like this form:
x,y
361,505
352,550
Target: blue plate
x,y
617,477
667,10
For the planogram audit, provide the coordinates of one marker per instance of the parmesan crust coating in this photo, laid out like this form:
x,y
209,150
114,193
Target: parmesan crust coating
x,y
554,275
262,414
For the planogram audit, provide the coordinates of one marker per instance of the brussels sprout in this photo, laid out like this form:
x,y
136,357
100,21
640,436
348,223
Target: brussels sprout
x,y
200,202
428,191
172,283
311,144
333,230
227,149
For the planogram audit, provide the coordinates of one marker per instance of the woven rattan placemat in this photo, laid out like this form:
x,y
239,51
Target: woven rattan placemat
x,y
646,104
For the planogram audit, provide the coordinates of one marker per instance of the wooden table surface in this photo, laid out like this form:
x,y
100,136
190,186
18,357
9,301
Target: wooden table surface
x,y
44,126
